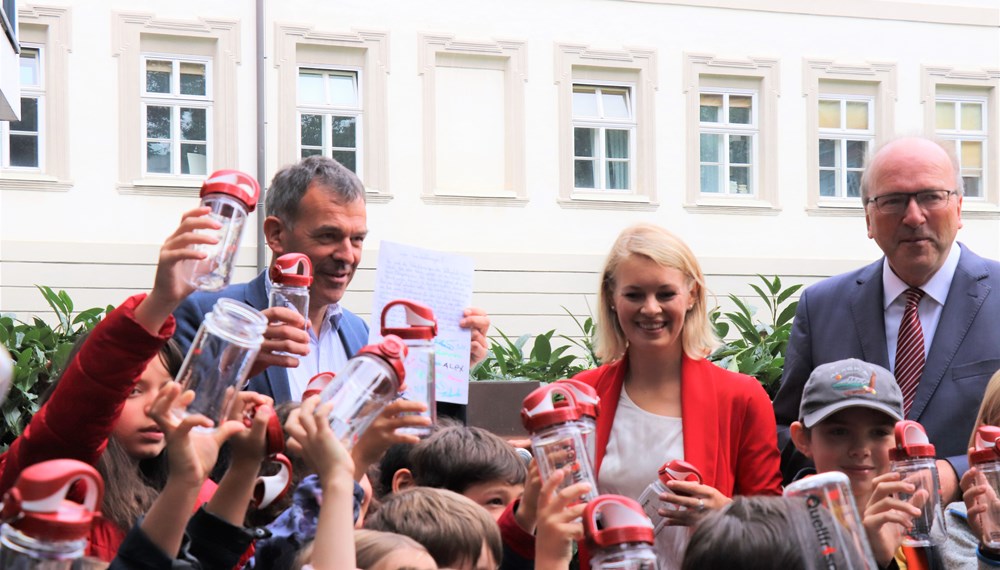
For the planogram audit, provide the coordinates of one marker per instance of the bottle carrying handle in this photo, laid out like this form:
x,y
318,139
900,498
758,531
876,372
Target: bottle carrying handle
x,y
271,488
43,487
613,519
417,315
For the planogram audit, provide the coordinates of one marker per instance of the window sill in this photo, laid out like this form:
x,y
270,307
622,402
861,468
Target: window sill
x,y
376,197
33,182
732,205
162,187
977,210
607,201
836,210
500,199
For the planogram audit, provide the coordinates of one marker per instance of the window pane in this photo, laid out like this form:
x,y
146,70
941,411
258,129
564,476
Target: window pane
x,y
29,67
158,76
615,103
857,115
312,130
343,91
739,109
972,116
348,158
158,122
710,179
310,87
828,152
972,154
856,153
711,148
158,157
584,101
972,186
739,180
711,108
194,126
29,116
193,79
24,151
194,159
945,115
584,141
617,175
853,184
739,149
616,143
344,132
583,173
829,114
310,152
828,183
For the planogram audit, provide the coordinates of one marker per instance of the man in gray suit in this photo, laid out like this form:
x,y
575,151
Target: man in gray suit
x,y
912,192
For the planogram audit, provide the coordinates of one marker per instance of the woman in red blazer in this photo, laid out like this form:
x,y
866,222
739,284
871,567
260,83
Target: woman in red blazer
x,y
661,399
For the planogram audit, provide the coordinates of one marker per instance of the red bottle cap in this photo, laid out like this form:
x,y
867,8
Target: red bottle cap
x,y
317,383
293,269
986,445
911,442
393,350
38,503
586,397
610,520
542,409
679,470
239,185
420,317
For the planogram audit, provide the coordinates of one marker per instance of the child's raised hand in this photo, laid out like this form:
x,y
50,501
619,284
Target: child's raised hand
x,y
886,516
310,436
382,434
527,509
255,411
558,522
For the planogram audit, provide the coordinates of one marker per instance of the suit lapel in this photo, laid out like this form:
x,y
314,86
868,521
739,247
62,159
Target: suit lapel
x,y
966,296
869,315
700,419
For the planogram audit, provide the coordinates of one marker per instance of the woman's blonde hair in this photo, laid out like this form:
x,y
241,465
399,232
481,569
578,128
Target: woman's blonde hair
x,y
666,249
989,409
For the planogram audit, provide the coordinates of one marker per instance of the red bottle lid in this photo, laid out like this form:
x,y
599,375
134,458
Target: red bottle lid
x,y
679,470
586,397
393,351
986,445
911,442
317,383
293,269
239,185
37,504
420,317
543,407
610,520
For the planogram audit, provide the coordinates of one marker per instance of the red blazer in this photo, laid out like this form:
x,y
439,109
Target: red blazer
x,y
728,422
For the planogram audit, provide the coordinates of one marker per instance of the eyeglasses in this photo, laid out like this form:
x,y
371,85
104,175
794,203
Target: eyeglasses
x,y
898,203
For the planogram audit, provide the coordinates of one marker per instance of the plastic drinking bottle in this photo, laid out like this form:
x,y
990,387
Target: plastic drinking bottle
x,y
231,195
550,413
618,534
986,458
589,404
419,363
291,276
42,529
366,385
913,459
649,500
220,357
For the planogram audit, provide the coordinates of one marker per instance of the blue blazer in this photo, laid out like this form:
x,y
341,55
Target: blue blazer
x,y
842,317
273,382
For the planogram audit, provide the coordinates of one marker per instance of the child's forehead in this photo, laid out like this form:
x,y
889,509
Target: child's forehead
x,y
860,415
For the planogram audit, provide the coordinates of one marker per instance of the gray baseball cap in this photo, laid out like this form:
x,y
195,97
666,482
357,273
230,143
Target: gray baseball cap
x,y
849,383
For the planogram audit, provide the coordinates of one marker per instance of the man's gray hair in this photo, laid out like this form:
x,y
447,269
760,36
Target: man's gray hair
x,y
947,146
291,182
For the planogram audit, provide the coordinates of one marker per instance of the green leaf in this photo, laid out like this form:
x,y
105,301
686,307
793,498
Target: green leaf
x,y
766,299
88,315
784,295
786,314
743,307
542,349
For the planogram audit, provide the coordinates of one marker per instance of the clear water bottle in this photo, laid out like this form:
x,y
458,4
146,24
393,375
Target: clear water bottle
x,y
618,534
231,195
913,458
366,385
649,500
291,276
43,529
986,458
220,357
588,402
419,338
836,528
552,417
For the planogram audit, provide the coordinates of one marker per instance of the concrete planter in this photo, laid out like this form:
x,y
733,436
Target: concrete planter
x,y
495,405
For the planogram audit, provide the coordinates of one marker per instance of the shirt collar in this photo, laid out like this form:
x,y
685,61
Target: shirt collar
x,y
936,287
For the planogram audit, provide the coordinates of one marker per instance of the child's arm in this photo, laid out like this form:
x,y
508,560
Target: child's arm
x,y
526,512
885,516
558,523
382,434
312,437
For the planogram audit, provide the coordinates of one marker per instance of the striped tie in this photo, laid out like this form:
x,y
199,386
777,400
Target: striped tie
x,y
910,349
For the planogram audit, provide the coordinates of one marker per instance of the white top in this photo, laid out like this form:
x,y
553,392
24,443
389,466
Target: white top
x,y
639,444
929,309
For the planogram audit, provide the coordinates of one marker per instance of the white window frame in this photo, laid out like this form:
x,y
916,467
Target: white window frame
x,y
960,136
727,129
175,101
36,92
328,111
842,135
602,124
